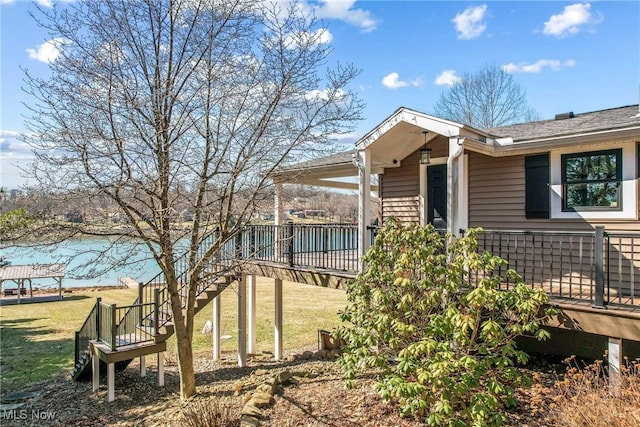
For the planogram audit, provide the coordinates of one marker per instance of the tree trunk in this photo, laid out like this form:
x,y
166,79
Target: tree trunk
x,y
185,350
187,373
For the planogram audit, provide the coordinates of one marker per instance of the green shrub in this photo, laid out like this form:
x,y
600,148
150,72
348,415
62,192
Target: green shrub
x,y
430,316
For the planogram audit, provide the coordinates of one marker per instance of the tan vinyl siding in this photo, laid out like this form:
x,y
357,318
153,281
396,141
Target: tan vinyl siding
x,y
497,199
399,190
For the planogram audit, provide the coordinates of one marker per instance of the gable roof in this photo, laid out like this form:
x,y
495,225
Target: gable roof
x,y
31,271
595,121
503,140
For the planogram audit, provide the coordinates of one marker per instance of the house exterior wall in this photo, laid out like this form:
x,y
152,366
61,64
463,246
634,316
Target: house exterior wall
x,y
497,199
400,187
399,190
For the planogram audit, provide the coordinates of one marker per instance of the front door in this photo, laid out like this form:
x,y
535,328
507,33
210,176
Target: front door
x,y
437,196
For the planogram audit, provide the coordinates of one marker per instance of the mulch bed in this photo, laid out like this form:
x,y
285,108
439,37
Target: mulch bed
x,y
319,401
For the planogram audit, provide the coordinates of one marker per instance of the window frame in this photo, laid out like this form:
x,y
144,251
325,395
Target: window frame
x,y
617,152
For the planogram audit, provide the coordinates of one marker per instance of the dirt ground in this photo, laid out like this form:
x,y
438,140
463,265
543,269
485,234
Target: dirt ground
x,y
319,401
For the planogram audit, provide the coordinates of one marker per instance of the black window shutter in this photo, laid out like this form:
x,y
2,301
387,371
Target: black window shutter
x,y
537,186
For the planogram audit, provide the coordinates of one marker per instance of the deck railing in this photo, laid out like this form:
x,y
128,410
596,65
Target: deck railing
x,y
120,326
323,246
87,332
596,267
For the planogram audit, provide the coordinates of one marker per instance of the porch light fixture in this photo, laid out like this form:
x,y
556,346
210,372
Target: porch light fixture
x,y
425,153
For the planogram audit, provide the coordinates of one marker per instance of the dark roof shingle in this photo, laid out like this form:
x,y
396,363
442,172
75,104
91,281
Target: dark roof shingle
x,y
613,118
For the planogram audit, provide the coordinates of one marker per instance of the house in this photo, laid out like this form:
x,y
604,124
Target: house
x,y
557,198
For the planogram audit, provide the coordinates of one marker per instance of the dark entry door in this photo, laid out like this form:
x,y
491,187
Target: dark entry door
x,y
437,195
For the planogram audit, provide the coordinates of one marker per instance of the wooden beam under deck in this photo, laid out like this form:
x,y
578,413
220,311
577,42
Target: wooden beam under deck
x,y
612,321
104,353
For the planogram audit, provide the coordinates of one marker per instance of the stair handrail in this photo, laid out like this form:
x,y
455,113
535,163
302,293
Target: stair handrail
x,y
157,282
87,332
103,321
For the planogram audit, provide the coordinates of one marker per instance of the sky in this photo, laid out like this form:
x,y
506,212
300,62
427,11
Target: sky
x,y
567,56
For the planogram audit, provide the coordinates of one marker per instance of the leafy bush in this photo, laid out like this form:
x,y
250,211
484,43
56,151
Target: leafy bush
x,y
429,314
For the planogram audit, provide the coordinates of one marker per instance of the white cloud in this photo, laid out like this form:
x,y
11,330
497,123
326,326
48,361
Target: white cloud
x,y
342,10
536,67
324,94
446,78
569,21
47,51
392,81
320,36
11,148
470,23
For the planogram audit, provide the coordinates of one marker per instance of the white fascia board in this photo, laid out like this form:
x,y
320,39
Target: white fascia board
x,y
502,147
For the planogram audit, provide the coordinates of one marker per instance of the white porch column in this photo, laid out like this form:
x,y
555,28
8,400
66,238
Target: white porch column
x,y
278,220
111,382
242,322
364,201
423,207
95,372
143,367
252,313
613,359
277,353
216,317
277,205
161,369
454,184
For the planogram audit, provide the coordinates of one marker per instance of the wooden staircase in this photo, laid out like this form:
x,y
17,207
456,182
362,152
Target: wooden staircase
x,y
144,326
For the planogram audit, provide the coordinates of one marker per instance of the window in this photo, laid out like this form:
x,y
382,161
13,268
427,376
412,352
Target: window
x,y
592,180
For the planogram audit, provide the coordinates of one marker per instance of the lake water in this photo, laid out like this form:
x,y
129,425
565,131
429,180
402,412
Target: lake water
x,y
88,262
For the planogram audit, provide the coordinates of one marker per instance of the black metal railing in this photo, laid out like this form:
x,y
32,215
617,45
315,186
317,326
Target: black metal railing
x,y
323,246
622,267
87,332
597,267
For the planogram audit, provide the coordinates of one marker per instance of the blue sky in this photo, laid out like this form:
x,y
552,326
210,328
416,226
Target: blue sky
x,y
568,56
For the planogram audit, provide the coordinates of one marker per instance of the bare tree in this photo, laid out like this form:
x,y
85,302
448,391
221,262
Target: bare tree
x,y
162,106
487,98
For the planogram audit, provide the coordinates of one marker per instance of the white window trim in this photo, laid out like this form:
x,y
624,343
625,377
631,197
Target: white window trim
x,y
629,191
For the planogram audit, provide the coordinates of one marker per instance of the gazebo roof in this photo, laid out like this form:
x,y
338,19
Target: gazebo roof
x,y
31,271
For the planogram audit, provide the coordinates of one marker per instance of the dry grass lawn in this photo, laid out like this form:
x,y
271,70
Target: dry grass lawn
x,y
37,340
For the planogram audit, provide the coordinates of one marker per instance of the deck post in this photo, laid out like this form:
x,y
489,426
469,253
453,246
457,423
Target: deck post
x,y
252,314
290,246
278,320
161,369
143,367
112,327
140,300
217,317
242,321
613,359
278,221
156,311
95,371
98,320
111,382
599,266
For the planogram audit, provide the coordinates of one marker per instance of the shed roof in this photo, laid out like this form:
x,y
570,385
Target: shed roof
x,y
31,271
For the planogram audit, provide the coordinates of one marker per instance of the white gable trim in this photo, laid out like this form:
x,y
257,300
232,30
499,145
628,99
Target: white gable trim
x,y
425,121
